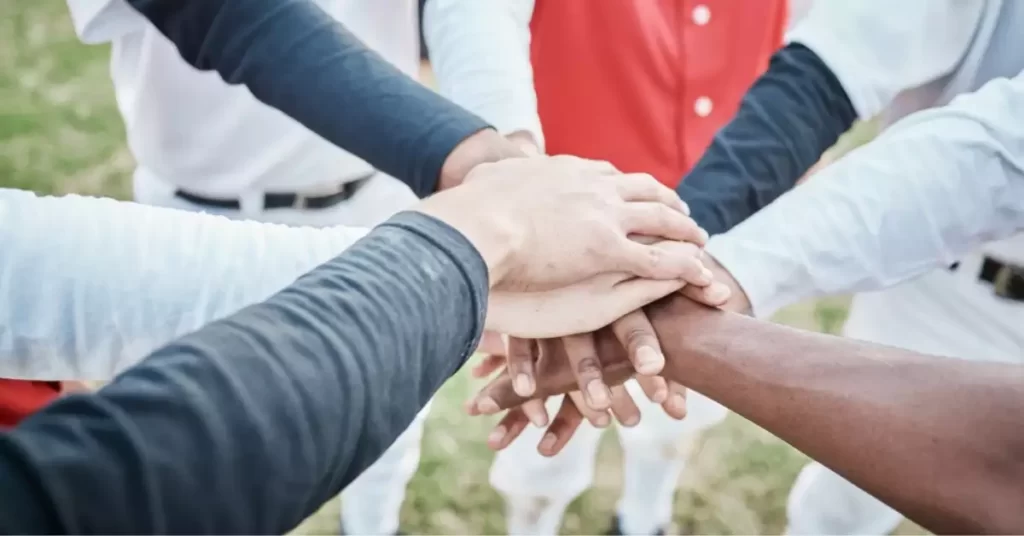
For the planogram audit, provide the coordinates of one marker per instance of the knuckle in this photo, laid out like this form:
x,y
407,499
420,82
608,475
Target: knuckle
x,y
588,366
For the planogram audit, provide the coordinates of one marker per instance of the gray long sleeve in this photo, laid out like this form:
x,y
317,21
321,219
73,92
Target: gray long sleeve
x,y
294,57
251,423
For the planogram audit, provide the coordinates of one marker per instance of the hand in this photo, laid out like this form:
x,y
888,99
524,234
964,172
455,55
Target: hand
x,y
590,304
545,222
480,148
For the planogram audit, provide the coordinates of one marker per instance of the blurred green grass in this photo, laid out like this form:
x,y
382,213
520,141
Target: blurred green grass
x,y
60,133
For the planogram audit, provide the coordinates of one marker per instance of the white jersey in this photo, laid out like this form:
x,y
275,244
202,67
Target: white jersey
x,y
191,130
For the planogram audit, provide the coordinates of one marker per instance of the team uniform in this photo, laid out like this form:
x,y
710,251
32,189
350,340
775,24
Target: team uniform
x,y
893,60
202,145
644,85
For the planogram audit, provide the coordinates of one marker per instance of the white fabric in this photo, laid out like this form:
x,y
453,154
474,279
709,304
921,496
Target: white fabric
x,y
925,194
89,286
538,489
879,49
480,51
191,130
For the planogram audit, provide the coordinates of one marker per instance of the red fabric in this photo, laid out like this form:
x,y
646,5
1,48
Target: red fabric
x,y
20,398
618,80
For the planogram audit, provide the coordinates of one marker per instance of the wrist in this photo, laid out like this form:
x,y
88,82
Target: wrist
x,y
695,338
496,241
479,148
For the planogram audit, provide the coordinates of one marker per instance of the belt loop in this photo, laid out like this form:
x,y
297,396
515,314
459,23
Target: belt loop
x,y
251,203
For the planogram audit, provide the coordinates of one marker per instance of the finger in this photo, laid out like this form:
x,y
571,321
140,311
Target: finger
x,y
623,407
662,260
536,412
487,366
581,352
714,295
491,344
563,426
656,219
654,387
597,418
521,357
675,404
636,334
507,429
642,187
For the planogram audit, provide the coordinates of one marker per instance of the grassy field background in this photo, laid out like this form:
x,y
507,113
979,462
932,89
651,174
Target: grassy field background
x,y
60,132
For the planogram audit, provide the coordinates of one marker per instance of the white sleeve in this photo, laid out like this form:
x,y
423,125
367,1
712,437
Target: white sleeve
x,y
102,21
89,286
480,51
879,48
931,189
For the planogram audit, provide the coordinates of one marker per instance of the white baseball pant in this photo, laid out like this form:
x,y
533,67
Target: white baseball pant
x,y
371,504
537,490
947,313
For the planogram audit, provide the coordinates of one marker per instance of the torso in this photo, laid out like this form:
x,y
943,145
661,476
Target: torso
x,y
645,84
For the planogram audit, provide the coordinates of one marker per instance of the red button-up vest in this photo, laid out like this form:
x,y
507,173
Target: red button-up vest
x,y
645,84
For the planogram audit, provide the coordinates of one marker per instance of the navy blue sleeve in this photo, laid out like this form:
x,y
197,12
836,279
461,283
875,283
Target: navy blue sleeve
x,y
253,422
786,121
294,57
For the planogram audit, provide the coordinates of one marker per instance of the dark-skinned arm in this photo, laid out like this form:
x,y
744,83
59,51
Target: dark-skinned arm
x,y
938,439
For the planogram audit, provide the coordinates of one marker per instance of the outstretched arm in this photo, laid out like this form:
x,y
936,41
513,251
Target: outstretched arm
x,y
295,57
91,285
843,61
938,439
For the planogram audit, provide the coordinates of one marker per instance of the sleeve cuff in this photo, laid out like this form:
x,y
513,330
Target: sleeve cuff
x,y
464,256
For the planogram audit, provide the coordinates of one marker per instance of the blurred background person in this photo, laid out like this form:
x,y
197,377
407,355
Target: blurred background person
x,y
644,84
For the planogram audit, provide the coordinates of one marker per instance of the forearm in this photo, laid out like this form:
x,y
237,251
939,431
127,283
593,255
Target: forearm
x,y
928,191
92,285
250,424
938,439
294,57
786,121
480,54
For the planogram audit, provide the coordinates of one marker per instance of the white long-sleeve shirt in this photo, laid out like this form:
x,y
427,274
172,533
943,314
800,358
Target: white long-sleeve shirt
x,y
480,52
88,286
931,189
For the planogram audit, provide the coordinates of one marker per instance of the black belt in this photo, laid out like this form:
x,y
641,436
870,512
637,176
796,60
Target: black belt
x,y
283,200
1007,279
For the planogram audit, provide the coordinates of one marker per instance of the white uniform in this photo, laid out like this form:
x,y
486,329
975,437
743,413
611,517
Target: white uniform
x,y
191,132
904,208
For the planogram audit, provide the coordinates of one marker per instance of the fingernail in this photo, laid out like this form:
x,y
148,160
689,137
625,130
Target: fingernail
x,y
487,406
602,420
704,235
706,276
471,407
659,396
718,293
648,360
598,394
523,385
679,402
539,420
497,435
548,442
631,421
684,207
